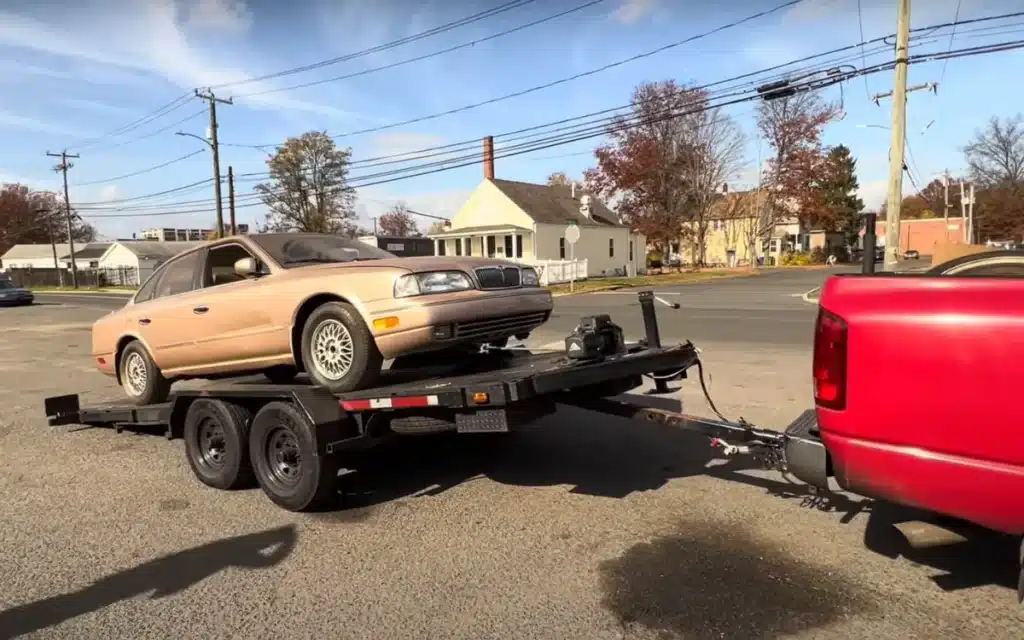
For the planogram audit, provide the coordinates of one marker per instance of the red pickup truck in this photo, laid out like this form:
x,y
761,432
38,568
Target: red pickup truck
x,y
917,380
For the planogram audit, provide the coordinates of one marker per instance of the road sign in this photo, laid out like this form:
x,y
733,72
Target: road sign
x,y
572,234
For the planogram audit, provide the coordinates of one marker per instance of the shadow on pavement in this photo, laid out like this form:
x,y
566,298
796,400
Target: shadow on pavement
x,y
159,578
610,457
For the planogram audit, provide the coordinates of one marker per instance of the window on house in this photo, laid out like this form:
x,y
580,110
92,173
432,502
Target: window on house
x,y
508,247
561,248
674,248
442,247
611,247
469,246
490,246
458,246
519,245
631,251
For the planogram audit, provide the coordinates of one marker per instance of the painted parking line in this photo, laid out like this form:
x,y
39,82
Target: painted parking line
x,y
808,296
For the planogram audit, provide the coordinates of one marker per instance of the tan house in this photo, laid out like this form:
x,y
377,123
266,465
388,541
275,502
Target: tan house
x,y
734,222
528,222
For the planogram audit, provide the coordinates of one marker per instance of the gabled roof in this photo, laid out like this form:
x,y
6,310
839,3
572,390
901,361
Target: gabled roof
x,y
151,249
555,204
33,251
91,251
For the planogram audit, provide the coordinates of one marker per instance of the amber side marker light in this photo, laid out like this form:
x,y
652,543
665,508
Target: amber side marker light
x,y
481,398
385,323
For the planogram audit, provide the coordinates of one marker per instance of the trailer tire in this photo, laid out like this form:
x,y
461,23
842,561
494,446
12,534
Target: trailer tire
x,y
337,323
154,387
216,437
282,447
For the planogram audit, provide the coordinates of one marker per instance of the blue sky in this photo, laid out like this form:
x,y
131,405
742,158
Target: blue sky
x,y
72,73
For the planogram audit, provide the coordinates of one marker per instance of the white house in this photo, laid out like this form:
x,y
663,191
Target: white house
x,y
137,259
528,223
32,256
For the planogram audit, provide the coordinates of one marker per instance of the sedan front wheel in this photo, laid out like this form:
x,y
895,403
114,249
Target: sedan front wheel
x,y
338,350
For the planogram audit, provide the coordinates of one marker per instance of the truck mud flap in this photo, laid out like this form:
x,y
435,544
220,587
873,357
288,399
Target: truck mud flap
x,y
805,454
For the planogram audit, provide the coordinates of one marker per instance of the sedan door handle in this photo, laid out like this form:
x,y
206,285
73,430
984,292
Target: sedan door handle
x,y
144,320
200,310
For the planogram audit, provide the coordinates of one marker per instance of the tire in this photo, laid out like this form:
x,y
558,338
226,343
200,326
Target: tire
x,y
141,379
334,325
217,444
283,454
281,374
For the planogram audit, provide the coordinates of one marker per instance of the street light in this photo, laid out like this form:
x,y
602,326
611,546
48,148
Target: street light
x,y
216,180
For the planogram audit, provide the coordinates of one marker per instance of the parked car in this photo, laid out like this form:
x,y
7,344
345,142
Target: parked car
x,y
12,295
911,254
284,303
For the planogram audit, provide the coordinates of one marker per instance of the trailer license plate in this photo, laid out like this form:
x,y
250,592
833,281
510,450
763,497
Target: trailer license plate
x,y
482,421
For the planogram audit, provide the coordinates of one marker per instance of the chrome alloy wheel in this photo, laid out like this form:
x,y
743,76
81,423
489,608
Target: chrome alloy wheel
x,y
332,349
134,375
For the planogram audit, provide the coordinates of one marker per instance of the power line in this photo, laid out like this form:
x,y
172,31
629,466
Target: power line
x,y
810,85
170,107
568,79
453,148
863,62
151,134
956,16
141,171
384,47
427,56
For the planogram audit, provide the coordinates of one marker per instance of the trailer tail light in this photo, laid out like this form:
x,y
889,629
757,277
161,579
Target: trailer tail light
x,y
830,346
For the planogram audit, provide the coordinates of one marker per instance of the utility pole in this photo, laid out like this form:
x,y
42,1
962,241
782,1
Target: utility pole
x,y
213,100
374,226
963,212
898,143
970,218
231,200
63,168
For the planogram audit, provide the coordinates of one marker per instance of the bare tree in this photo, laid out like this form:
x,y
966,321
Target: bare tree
x,y
710,149
995,156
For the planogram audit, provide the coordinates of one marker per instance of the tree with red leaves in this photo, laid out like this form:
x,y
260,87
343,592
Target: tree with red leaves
x,y
30,217
397,222
665,162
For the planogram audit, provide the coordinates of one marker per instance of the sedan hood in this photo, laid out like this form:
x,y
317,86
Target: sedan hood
x,y
417,264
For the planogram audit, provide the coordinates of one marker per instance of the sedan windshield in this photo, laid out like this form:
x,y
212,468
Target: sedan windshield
x,y
299,249
7,284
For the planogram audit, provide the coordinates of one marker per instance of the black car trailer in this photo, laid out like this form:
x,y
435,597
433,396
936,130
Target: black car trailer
x,y
290,439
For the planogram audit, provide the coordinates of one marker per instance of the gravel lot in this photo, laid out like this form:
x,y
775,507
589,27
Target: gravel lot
x,y
585,527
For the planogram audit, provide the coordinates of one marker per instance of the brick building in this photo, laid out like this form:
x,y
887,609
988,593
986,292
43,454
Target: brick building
x,y
924,234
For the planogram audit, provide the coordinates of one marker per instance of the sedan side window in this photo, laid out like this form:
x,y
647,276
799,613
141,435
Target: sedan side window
x,y
179,276
220,264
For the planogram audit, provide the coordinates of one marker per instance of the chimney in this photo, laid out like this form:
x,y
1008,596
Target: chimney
x,y
573,187
489,158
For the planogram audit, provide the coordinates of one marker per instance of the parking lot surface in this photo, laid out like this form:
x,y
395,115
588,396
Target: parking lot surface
x,y
582,527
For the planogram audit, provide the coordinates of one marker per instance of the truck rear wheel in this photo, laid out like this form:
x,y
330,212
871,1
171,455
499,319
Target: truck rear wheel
x,y
217,443
282,447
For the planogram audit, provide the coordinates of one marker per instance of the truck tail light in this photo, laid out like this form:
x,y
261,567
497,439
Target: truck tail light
x,y
830,346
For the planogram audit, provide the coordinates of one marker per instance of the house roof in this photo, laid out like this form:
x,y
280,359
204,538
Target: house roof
x,y
151,249
555,204
91,251
482,230
33,251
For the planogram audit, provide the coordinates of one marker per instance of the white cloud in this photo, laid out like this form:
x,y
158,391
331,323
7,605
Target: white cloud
x,y
373,202
14,121
632,11
110,192
402,143
220,15
101,107
149,37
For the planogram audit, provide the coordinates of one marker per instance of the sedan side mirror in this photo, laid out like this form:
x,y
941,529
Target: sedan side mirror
x,y
247,267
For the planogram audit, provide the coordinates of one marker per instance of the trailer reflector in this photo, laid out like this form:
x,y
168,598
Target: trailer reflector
x,y
398,402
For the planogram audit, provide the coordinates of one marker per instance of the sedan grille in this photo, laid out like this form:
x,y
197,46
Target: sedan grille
x,y
498,277
502,326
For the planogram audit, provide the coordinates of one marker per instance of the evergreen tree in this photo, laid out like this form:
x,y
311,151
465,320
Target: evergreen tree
x,y
841,206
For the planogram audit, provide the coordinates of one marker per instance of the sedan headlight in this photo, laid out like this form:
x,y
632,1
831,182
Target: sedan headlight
x,y
529,278
416,284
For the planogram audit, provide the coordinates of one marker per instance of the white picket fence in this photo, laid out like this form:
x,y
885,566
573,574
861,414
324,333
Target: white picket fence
x,y
555,271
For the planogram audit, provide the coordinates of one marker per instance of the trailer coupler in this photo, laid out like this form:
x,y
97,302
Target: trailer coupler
x,y
798,451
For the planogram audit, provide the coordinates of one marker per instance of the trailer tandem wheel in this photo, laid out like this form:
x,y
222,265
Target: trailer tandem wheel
x,y
216,434
282,447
